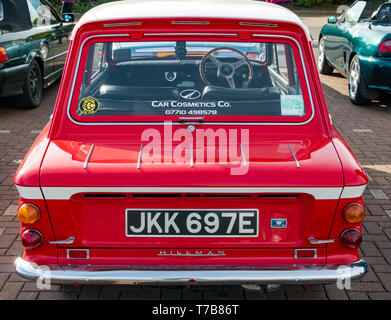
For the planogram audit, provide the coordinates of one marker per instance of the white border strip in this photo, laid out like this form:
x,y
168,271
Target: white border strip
x,y
30,192
65,193
353,192
59,193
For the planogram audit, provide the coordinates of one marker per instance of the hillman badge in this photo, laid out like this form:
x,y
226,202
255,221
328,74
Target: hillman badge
x,y
88,106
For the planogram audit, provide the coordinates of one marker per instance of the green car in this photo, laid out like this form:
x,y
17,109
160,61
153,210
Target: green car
x,y
33,48
358,45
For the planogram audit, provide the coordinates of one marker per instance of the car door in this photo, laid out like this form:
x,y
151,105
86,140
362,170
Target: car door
x,y
337,42
60,32
40,42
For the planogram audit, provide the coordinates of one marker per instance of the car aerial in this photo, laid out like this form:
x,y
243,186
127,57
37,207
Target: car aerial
x,y
33,47
358,45
190,144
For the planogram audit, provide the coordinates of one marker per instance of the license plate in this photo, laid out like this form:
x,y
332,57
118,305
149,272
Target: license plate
x,y
191,223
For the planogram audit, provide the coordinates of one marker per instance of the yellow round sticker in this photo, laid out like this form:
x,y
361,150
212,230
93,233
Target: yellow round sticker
x,y
88,106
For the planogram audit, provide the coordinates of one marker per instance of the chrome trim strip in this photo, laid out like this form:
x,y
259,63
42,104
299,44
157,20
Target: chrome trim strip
x,y
190,34
191,156
65,193
297,274
49,75
353,192
181,123
122,24
88,156
294,156
32,193
70,240
56,56
243,156
190,22
139,157
312,240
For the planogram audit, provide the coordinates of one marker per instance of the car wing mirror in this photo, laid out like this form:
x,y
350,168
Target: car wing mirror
x,y
332,19
68,17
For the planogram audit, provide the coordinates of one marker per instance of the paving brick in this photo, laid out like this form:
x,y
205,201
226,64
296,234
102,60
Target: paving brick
x,y
234,293
357,295
333,293
385,279
387,254
12,210
10,290
89,292
28,295
380,295
191,294
109,295
57,295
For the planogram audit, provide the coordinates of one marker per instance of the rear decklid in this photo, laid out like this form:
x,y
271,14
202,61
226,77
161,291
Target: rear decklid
x,y
91,203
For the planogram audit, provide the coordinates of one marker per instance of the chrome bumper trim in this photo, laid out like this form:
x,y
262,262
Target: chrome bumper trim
x,y
297,274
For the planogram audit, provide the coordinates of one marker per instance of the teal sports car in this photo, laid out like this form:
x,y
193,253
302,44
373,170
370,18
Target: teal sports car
x,y
358,45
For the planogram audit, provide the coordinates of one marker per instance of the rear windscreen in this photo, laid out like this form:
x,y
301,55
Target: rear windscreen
x,y
190,78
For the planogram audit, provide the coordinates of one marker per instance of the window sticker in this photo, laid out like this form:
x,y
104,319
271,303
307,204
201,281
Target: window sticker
x,y
88,106
292,105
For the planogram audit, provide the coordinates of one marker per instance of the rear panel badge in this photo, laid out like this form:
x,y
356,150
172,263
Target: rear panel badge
x,y
278,223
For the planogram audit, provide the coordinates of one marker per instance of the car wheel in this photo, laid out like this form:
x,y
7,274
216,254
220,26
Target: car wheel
x,y
357,87
323,65
32,88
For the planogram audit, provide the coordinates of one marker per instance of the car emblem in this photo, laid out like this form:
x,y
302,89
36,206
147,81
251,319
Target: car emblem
x,y
278,223
190,94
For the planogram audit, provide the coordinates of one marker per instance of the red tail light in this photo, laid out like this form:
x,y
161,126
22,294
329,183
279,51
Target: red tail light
x,y
385,46
351,238
3,55
31,239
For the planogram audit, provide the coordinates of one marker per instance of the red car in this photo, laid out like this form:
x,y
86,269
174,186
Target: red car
x,y
190,144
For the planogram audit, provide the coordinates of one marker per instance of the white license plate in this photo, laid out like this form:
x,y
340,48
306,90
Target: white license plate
x,y
191,222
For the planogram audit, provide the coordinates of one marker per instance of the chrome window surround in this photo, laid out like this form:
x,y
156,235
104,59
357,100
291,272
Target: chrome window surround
x,y
181,123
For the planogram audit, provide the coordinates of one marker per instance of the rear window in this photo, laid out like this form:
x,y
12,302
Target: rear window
x,y
127,81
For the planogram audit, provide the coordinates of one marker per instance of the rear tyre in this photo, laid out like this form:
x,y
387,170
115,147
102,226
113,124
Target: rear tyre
x,y
32,88
358,91
323,65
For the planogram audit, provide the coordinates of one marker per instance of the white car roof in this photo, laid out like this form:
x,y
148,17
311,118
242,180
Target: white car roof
x,y
238,9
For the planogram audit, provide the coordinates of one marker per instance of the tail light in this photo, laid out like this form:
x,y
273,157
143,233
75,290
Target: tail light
x,y
31,239
3,55
351,238
28,214
385,46
353,213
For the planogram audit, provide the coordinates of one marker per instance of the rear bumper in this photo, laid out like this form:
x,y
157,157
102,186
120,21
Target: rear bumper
x,y
376,72
296,274
12,80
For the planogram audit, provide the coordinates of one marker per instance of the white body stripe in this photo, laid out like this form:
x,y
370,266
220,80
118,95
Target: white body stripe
x,y
65,193
353,192
30,192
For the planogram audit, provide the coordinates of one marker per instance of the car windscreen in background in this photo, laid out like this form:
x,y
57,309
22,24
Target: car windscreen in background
x,y
190,78
16,16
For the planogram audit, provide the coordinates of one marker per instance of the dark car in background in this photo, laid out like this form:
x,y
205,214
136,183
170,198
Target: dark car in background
x,y
33,49
358,45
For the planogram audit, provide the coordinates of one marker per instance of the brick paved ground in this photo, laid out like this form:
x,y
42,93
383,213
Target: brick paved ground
x,y
367,129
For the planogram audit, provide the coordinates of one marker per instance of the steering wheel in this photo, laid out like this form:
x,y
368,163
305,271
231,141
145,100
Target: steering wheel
x,y
227,69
